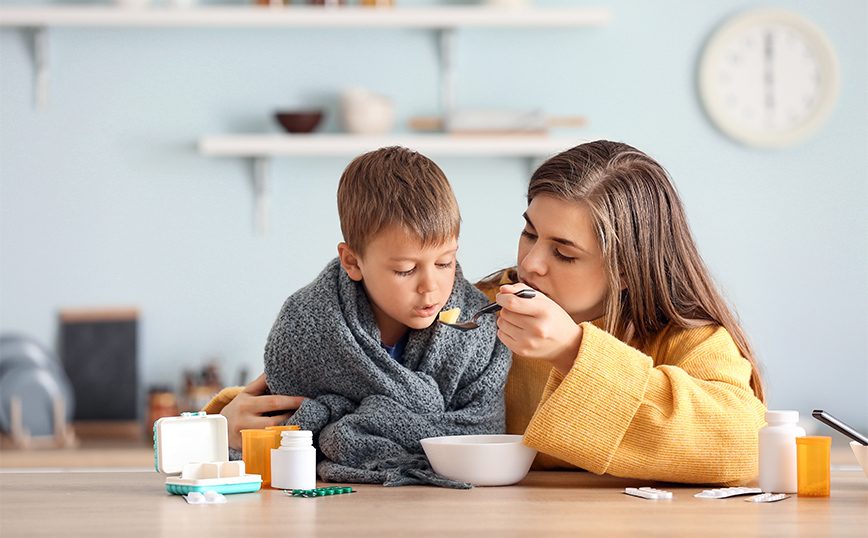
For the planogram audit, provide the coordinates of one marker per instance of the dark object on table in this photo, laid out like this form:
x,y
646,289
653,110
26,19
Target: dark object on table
x,y
302,121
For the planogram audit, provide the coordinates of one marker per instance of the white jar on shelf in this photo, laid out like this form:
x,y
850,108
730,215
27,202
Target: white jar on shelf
x,y
364,112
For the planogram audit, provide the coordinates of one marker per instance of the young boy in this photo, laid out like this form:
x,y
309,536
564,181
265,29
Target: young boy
x,y
361,342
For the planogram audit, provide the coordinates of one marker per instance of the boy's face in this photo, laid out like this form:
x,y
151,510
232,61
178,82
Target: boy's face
x,y
407,285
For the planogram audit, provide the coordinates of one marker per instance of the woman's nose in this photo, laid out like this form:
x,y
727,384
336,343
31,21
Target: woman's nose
x,y
532,260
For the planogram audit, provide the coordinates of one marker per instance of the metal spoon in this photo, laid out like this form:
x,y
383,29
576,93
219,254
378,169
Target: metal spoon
x,y
526,293
826,418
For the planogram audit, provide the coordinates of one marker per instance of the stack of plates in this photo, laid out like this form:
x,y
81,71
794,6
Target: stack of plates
x,y
34,375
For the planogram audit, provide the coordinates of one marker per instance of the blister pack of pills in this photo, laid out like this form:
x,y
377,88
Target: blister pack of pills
x,y
649,493
723,493
319,492
767,498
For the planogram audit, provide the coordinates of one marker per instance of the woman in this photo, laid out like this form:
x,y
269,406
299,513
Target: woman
x,y
641,369
628,362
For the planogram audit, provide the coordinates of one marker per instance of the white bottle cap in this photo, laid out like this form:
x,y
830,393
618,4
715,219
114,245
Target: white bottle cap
x,y
782,416
296,438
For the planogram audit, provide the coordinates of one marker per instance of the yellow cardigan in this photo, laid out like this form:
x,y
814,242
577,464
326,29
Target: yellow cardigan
x,y
679,410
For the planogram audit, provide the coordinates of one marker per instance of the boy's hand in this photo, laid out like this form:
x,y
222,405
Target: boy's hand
x,y
245,411
538,328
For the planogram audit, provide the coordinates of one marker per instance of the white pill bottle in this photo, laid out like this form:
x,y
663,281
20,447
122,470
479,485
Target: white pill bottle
x,y
293,464
777,452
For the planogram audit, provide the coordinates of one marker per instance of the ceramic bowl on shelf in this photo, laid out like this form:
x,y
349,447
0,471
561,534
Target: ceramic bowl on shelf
x,y
482,460
299,121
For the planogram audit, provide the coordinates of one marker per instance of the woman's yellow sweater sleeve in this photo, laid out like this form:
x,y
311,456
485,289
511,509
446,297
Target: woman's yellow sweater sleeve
x,y
687,415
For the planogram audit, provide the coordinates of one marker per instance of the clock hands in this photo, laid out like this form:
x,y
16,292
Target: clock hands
x,y
769,76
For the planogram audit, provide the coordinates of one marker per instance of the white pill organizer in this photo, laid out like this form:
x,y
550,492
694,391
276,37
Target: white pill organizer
x,y
193,451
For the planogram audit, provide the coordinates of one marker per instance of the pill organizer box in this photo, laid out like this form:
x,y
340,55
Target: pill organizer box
x,y
193,451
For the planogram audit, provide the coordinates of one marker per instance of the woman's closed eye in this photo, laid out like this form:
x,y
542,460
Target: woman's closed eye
x,y
563,257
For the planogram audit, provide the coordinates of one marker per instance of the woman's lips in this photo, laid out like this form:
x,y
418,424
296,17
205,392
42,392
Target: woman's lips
x,y
529,284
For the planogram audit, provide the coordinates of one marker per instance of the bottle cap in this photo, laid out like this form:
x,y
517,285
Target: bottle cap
x,y
290,438
817,440
782,416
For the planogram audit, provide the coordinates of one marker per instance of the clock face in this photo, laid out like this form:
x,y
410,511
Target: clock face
x,y
769,78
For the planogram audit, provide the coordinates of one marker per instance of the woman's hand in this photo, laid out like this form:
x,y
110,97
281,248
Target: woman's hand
x,y
246,410
538,328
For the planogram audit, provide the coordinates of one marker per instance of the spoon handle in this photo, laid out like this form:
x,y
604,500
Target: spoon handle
x,y
826,418
528,293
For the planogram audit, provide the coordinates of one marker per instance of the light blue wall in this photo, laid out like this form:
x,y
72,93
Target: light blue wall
x,y
105,201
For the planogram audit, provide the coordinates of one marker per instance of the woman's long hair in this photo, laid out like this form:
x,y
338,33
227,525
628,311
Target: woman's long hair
x,y
646,244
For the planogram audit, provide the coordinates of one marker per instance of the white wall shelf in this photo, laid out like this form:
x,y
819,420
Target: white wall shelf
x,y
335,145
443,20
261,148
432,17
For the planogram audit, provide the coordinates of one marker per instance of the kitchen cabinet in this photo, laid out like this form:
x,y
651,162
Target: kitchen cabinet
x,y
443,21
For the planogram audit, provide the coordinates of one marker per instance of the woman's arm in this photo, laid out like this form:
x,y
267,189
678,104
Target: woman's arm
x,y
687,415
246,409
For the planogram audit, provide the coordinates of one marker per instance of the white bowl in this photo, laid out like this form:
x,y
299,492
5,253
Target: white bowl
x,y
861,452
482,460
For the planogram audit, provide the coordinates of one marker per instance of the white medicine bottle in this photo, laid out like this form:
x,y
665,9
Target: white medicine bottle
x,y
777,452
293,464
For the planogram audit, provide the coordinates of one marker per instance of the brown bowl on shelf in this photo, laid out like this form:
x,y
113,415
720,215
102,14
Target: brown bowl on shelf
x,y
301,121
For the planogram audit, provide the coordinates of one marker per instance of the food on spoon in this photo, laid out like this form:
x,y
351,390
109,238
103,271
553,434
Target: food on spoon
x,y
449,316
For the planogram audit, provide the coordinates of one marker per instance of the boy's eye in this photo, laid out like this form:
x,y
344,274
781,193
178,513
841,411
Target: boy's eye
x,y
405,273
445,265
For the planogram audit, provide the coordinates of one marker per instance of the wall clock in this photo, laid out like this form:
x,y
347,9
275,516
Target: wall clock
x,y
768,78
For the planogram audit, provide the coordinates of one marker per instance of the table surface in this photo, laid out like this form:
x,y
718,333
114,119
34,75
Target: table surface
x,y
117,503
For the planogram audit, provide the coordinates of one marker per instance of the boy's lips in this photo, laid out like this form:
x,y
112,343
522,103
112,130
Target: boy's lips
x,y
427,311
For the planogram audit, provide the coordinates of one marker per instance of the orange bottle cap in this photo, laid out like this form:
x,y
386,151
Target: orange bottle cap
x,y
814,440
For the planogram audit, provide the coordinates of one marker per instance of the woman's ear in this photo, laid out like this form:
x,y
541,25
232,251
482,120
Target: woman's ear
x,y
349,261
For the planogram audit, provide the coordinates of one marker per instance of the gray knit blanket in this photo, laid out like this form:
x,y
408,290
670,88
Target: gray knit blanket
x,y
367,411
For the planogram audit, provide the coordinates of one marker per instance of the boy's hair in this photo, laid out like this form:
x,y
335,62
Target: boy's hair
x,y
395,186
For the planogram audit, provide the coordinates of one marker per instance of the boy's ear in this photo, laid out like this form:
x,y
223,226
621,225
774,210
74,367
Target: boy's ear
x,y
349,261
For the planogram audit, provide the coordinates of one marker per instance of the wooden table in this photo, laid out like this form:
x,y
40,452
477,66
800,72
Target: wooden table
x,y
129,504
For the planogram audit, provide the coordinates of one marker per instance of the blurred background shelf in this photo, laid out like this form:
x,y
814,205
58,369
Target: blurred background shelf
x,y
318,145
307,16
89,454
261,148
